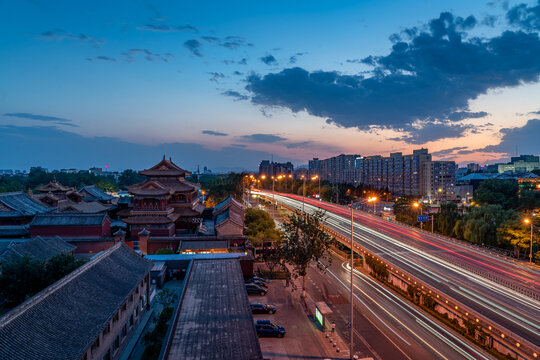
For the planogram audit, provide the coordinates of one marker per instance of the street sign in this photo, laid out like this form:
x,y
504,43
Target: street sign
x,y
422,218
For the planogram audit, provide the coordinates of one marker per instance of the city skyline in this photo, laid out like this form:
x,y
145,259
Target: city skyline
x,y
231,86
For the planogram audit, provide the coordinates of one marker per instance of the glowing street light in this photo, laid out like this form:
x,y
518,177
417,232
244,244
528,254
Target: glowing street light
x,y
373,200
315,178
527,221
416,205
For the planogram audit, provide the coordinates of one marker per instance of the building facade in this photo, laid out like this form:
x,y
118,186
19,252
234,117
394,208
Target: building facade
x,y
270,169
343,168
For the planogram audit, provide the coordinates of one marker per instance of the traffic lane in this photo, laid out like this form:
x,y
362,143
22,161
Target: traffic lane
x,y
301,339
485,302
529,276
370,340
415,332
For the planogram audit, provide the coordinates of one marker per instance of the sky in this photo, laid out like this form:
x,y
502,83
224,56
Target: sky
x,y
226,84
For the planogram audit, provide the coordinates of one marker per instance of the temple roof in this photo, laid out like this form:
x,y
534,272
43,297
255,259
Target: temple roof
x,y
180,185
96,193
48,325
165,168
92,207
228,203
54,186
151,219
69,219
228,215
150,188
39,248
190,211
19,203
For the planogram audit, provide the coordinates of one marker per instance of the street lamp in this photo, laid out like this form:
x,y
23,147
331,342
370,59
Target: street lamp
x,y
303,192
373,200
315,178
416,205
202,192
527,221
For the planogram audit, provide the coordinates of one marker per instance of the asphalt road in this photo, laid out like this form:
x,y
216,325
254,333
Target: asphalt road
x,y
436,261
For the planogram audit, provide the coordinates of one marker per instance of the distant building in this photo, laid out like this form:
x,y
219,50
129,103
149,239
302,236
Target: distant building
x,y
17,208
270,169
473,167
229,218
520,164
343,168
89,314
71,225
439,180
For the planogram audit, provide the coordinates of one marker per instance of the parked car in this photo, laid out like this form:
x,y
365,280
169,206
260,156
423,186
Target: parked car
x,y
266,281
258,308
257,282
253,289
267,328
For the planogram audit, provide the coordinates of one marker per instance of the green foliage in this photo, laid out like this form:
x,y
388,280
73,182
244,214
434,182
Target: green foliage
x,y
23,277
129,177
164,251
404,210
154,339
166,297
447,218
260,227
218,187
479,224
517,234
377,269
305,241
498,192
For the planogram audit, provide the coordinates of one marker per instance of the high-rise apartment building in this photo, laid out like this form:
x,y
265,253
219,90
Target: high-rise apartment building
x,y
269,169
338,169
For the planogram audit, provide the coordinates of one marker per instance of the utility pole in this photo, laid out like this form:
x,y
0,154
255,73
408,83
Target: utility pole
x,y
432,221
352,270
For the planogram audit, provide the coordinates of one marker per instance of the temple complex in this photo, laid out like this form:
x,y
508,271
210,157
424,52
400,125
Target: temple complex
x,y
166,204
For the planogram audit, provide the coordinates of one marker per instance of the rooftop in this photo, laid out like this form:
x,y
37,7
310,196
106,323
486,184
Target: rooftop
x,y
22,204
68,219
62,321
38,247
96,193
165,168
214,321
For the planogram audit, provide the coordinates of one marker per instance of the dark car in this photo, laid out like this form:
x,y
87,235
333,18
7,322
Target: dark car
x,y
258,308
266,281
253,289
267,328
257,282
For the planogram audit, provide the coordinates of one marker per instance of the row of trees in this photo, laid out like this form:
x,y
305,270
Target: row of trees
x,y
496,217
38,177
24,277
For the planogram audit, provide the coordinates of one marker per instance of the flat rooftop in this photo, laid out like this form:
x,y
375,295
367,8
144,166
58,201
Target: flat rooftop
x,y
214,319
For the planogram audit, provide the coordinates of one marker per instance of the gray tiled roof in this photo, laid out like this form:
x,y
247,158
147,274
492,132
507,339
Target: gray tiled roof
x,y
204,244
22,204
62,321
14,230
215,321
68,219
42,249
96,193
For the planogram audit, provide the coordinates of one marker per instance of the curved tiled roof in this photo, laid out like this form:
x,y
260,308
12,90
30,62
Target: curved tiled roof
x,y
68,219
96,193
22,204
165,168
39,248
62,321
150,188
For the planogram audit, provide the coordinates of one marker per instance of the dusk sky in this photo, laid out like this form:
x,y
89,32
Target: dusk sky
x,y
225,84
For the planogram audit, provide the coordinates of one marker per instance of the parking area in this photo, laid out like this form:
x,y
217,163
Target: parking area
x,y
303,339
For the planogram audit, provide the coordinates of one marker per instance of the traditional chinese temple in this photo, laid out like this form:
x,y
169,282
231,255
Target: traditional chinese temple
x,y
166,204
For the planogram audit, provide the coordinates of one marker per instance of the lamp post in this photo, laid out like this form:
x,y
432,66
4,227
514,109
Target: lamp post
x,y
315,178
202,192
352,269
273,194
372,199
416,204
527,221
303,192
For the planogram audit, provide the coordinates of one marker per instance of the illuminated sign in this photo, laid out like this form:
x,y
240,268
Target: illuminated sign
x,y
319,316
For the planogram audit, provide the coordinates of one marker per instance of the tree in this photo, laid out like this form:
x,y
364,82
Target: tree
x,y
166,298
59,266
305,241
129,177
479,224
498,192
164,251
515,233
404,211
20,278
260,227
447,218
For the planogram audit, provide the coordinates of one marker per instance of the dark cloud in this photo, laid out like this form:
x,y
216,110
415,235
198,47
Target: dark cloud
x,y
535,112
235,94
448,151
239,145
46,146
525,16
428,77
132,54
56,120
59,35
523,140
194,46
489,20
242,62
215,76
214,133
238,73
269,60
262,138
167,28
101,58
432,132
461,115
294,58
